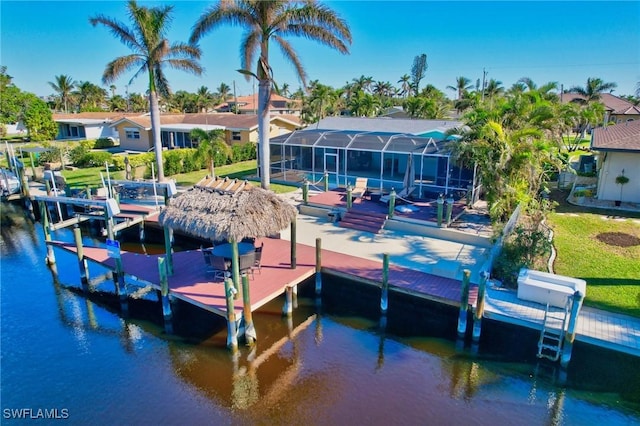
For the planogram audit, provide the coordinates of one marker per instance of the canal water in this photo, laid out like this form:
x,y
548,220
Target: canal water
x,y
65,356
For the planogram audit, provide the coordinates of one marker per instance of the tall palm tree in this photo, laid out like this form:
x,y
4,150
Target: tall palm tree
x,y
203,99
64,85
593,89
151,52
463,84
264,21
405,85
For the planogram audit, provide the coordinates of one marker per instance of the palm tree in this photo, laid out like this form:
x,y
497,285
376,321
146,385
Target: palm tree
x,y
405,85
463,84
89,97
273,20
151,52
211,145
203,99
64,85
593,89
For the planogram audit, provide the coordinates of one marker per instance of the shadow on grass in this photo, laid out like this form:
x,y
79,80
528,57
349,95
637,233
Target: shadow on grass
x,y
612,306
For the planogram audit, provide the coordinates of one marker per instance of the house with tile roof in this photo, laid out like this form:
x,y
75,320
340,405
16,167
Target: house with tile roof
x,y
617,149
135,132
87,125
249,105
617,110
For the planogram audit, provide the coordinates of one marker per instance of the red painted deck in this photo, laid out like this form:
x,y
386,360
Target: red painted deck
x,y
191,282
428,210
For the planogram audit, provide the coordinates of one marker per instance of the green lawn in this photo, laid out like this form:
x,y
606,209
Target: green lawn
x,y
612,272
91,176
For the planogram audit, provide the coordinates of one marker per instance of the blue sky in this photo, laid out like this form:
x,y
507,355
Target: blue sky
x,y
565,42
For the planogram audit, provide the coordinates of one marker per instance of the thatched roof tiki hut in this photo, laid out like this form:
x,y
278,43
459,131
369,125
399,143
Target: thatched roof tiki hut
x,y
223,209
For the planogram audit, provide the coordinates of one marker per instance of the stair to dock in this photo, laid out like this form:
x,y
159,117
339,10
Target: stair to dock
x,y
363,221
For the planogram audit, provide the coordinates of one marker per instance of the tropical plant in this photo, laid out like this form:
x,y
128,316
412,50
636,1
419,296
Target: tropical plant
x,y
462,86
273,20
203,99
592,90
211,146
405,85
89,97
151,52
621,180
64,86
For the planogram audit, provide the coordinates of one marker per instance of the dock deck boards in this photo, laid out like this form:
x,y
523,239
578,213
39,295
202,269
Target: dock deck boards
x,y
191,283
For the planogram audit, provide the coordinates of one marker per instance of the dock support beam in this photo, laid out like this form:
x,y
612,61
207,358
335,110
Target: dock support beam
x,y
293,244
392,203
318,266
232,329
305,192
464,304
44,218
287,309
570,334
249,330
82,262
479,312
235,268
384,296
168,249
164,295
449,208
440,203
118,276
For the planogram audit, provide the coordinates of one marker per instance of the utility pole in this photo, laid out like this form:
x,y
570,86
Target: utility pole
x,y
484,76
235,98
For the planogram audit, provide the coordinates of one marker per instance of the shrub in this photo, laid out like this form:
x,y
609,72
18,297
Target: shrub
x,y
80,150
172,162
520,250
243,152
50,156
104,143
93,159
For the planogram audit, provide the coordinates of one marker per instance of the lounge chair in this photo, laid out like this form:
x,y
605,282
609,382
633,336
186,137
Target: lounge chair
x,y
405,193
360,188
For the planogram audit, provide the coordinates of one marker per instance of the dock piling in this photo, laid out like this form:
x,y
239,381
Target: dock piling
x,y
440,203
479,312
464,303
318,266
168,243
392,203
232,329
82,262
249,329
570,334
305,192
349,199
326,181
287,309
384,296
449,208
44,217
164,294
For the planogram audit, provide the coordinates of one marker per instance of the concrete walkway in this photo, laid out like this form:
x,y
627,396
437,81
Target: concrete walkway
x,y
445,258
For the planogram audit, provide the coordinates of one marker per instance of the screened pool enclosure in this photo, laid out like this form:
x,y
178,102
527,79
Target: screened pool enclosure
x,y
388,160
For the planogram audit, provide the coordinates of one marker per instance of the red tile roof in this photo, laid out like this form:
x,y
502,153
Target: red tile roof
x,y
612,103
228,120
619,137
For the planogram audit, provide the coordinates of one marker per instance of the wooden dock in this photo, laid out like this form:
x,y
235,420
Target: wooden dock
x,y
191,283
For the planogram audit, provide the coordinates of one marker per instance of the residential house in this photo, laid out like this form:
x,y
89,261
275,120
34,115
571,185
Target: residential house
x,y
617,110
618,153
135,132
249,105
390,153
87,125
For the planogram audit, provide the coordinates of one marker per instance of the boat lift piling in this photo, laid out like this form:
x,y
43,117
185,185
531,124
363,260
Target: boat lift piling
x,y
464,304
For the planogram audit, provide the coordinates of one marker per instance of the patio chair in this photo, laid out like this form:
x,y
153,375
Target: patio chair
x,y
360,188
247,262
258,258
217,265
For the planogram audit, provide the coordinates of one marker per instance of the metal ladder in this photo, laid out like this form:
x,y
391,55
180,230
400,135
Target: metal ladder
x,y
554,326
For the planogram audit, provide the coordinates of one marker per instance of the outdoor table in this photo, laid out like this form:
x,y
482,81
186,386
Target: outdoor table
x,y
224,250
